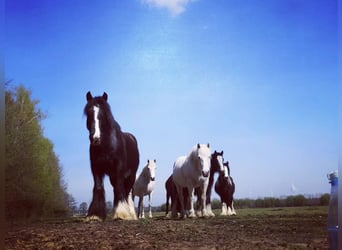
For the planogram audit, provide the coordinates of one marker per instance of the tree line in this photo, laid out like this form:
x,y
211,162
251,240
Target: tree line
x,y
34,187
266,202
286,201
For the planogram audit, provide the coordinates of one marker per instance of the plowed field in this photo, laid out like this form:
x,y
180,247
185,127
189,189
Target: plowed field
x,y
278,228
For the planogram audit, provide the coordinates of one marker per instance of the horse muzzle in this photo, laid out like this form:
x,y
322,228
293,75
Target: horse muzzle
x,y
205,173
95,141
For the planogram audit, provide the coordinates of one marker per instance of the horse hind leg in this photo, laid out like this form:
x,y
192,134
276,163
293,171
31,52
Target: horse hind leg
x,y
230,207
130,201
141,213
167,205
233,209
180,198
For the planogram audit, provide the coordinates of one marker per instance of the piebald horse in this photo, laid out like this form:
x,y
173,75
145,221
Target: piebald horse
x,y
216,167
113,153
225,188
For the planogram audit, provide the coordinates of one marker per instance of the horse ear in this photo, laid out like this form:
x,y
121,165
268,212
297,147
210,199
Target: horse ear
x,y
208,145
155,160
89,96
198,145
148,161
221,152
105,96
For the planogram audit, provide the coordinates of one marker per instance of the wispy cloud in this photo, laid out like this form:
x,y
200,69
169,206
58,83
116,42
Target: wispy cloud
x,y
175,7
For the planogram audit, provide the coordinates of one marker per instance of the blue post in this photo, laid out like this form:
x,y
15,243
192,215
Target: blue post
x,y
333,212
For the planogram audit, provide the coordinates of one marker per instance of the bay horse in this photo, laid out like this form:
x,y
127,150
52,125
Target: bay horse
x,y
171,193
113,153
144,185
225,188
216,166
192,171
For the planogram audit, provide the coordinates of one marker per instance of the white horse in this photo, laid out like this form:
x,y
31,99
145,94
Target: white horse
x,y
144,185
192,171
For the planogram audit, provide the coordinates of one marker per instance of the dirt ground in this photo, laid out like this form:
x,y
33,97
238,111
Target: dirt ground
x,y
278,228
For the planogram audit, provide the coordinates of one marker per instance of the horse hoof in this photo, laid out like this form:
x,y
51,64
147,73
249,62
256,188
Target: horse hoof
x,y
93,218
192,215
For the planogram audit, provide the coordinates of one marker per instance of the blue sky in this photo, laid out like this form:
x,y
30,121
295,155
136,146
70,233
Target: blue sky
x,y
257,79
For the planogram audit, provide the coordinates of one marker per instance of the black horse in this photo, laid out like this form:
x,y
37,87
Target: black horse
x,y
215,167
113,153
171,192
225,188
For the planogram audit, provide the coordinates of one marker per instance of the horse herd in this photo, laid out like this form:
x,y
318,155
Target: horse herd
x,y
115,153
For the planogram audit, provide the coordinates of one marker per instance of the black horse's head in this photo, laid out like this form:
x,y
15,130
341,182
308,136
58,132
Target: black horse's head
x,y
97,110
217,162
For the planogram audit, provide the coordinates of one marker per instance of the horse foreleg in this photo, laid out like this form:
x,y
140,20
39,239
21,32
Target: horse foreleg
x,y
208,198
224,208
191,200
150,204
97,208
204,187
122,200
208,205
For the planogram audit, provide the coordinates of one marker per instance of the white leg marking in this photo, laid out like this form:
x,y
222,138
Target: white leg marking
x,y
233,209
131,206
229,212
210,211
192,210
224,209
124,211
93,218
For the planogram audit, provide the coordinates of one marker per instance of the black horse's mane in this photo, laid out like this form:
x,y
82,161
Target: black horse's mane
x,y
105,109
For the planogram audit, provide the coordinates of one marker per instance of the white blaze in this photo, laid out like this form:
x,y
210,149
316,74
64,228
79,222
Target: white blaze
x,y
220,160
225,172
97,133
